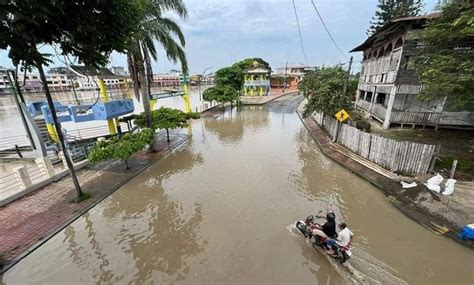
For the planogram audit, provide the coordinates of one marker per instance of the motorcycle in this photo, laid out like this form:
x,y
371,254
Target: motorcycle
x,y
341,253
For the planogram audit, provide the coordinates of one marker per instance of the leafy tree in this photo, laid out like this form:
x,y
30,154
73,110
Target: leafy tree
x,y
324,90
389,10
166,118
230,76
122,147
446,63
221,94
234,75
155,28
89,30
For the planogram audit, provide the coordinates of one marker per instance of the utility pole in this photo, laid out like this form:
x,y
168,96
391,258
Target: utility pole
x,y
346,82
286,68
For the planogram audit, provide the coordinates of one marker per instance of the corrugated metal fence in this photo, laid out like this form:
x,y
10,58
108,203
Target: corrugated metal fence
x,y
396,156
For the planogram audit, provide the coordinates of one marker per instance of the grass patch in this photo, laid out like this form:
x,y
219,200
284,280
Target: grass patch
x,y
79,199
464,165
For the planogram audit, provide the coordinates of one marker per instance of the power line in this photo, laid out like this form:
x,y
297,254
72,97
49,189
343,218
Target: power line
x,y
325,27
299,32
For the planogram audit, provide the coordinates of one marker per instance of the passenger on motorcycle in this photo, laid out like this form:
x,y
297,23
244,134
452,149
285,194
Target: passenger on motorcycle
x,y
328,230
344,238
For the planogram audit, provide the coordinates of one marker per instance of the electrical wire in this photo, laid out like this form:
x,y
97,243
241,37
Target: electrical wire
x,y
299,32
327,30
85,74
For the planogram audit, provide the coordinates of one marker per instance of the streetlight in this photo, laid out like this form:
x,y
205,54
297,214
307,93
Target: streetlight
x,y
199,84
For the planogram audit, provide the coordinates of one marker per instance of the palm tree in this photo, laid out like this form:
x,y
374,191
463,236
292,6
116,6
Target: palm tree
x,y
154,28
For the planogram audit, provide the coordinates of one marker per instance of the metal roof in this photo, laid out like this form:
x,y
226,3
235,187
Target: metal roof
x,y
391,27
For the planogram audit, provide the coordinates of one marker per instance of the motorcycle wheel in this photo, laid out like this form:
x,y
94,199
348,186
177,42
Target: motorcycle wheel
x,y
341,256
302,228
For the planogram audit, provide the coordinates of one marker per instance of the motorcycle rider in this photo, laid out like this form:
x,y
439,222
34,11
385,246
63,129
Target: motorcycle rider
x,y
328,229
344,238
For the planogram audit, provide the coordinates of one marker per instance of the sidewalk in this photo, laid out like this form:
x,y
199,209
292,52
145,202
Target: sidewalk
x,y
402,200
31,220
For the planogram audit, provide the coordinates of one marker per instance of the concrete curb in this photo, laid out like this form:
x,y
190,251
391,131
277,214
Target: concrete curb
x,y
389,187
78,214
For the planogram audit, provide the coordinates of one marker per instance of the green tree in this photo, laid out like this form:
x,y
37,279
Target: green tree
x,y
87,30
389,10
122,147
155,28
221,94
229,76
166,118
323,89
446,63
234,75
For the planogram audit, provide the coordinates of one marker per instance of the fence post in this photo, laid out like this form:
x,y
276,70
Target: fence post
x,y
46,164
22,175
453,169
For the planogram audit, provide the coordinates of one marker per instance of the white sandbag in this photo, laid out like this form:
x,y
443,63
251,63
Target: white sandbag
x,y
433,183
408,185
449,187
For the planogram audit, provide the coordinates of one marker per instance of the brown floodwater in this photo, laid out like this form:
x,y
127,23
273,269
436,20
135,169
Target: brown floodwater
x,y
220,209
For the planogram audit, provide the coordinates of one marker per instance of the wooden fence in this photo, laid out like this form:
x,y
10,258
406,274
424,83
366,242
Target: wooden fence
x,y
396,156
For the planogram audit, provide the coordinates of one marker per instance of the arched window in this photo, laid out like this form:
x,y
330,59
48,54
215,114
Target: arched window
x,y
388,50
381,52
399,43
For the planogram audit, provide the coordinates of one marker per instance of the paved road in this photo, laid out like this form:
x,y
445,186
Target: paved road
x,y
285,104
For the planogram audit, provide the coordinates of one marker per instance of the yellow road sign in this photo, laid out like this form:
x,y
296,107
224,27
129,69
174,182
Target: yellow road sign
x,y
342,115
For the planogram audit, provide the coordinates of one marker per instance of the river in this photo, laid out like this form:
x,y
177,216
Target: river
x,y
220,209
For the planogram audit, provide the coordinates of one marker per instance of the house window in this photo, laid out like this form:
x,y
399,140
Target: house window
x,y
381,98
408,63
368,98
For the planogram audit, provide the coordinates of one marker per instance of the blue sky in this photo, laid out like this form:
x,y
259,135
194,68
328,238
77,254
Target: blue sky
x,y
219,32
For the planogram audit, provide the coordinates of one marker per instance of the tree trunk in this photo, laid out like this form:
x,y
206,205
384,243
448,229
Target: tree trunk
x,y
59,132
126,164
167,135
144,88
148,69
132,69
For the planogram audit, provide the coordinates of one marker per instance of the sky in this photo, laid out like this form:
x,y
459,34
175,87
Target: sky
x,y
220,32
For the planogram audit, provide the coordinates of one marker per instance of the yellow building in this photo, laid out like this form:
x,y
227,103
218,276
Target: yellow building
x,y
257,80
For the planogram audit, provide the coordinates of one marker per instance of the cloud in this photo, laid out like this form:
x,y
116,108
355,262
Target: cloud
x,y
219,32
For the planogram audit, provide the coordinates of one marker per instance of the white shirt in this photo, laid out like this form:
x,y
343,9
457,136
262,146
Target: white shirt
x,y
344,237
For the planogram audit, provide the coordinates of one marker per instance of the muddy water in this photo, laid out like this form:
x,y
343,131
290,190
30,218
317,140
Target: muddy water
x,y
218,210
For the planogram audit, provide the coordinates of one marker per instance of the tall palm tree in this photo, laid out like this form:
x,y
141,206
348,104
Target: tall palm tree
x,y
154,28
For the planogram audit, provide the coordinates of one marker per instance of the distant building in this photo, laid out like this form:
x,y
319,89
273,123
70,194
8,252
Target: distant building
x,y
168,79
88,78
118,70
257,80
388,85
55,81
288,77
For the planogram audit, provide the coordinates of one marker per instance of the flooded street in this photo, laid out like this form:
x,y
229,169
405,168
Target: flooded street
x,y
220,209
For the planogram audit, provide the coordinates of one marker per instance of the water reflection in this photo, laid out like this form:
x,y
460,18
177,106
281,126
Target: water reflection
x,y
84,257
162,235
230,126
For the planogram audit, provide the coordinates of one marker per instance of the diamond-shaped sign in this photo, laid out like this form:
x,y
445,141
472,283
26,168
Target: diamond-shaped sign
x,y
342,115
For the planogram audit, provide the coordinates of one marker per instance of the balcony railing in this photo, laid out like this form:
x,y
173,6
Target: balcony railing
x,y
400,117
